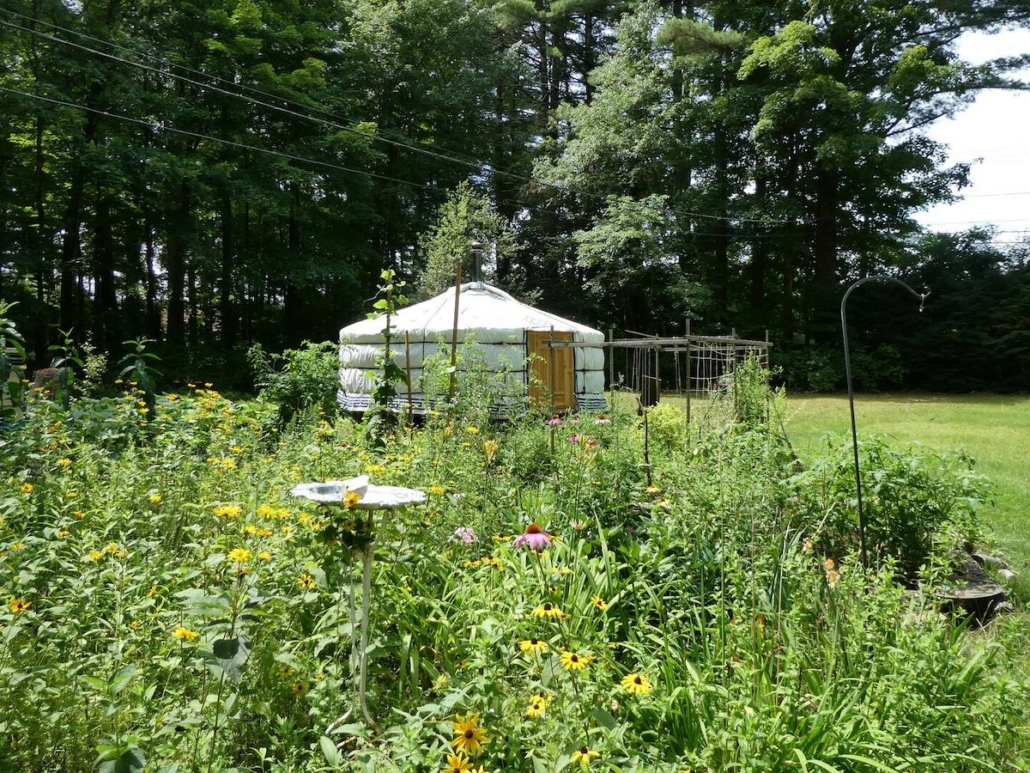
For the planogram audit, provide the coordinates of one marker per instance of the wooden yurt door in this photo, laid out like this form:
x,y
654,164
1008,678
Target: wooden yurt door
x,y
541,383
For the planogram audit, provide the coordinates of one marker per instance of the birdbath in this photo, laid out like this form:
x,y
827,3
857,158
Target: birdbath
x,y
343,498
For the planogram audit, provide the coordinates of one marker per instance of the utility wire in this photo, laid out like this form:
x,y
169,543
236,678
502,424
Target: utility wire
x,y
991,195
160,127
334,123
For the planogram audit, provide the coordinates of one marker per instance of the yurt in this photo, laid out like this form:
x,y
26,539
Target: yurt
x,y
505,332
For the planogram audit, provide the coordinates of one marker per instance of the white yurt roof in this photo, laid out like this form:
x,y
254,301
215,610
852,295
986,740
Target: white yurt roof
x,y
480,307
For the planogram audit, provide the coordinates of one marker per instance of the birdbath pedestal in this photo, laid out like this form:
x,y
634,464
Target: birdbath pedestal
x,y
345,497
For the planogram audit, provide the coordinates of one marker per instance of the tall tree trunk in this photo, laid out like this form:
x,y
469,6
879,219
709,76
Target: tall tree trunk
x,y
720,271
192,315
826,227
759,253
558,70
176,266
105,298
293,324
823,316
588,55
542,73
247,289
70,249
42,269
227,313
153,324
788,298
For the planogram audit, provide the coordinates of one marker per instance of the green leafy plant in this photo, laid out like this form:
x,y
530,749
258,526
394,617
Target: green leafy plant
x,y
380,418
137,366
12,349
298,380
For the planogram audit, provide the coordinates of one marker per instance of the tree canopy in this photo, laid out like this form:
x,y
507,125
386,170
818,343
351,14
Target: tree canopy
x,y
210,175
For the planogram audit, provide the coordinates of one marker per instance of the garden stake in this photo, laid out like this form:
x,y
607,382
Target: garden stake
x,y
454,335
851,397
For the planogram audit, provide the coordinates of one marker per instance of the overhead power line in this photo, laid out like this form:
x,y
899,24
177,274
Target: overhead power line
x,y
334,123
992,195
160,127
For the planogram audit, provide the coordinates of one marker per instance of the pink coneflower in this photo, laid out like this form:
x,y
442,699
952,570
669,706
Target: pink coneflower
x,y
464,533
535,537
573,438
554,421
602,419
573,420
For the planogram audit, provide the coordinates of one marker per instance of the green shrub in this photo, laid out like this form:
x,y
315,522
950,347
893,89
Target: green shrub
x,y
667,427
919,505
298,380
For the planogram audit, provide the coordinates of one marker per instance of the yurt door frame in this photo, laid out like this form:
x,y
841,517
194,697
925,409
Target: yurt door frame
x,y
543,380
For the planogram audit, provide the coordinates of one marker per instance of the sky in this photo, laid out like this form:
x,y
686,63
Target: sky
x,y
996,130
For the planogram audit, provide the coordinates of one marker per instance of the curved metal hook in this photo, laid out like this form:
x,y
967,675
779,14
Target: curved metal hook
x,y
851,394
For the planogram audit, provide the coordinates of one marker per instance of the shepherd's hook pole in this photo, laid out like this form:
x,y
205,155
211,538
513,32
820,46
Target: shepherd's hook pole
x,y
851,396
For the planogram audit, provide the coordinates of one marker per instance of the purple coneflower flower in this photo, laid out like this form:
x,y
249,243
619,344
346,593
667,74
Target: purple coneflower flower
x,y
554,421
573,438
573,420
464,533
535,537
602,419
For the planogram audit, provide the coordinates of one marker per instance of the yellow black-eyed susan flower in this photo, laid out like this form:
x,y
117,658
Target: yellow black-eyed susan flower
x,y
533,646
548,611
456,763
636,684
469,736
575,661
583,755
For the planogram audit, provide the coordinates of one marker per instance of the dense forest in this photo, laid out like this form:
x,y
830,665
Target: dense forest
x,y
215,174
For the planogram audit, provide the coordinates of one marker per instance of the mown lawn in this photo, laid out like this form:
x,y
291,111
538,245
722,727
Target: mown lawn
x,y
994,430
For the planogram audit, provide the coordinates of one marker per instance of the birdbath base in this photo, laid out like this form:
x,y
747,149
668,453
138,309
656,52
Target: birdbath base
x,y
358,494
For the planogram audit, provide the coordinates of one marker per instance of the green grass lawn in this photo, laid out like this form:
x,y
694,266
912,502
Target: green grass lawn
x,y
995,431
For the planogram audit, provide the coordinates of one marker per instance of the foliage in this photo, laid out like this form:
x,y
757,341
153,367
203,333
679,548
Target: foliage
x,y
138,367
388,374
12,349
167,603
466,217
629,164
920,506
298,381
667,427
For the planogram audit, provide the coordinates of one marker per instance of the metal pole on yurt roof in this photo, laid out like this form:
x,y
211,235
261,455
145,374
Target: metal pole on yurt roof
x,y
477,262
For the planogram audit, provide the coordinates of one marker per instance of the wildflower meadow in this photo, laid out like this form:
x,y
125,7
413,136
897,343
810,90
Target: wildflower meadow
x,y
569,597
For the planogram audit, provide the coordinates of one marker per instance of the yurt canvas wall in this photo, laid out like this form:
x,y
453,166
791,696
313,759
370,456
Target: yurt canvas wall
x,y
504,333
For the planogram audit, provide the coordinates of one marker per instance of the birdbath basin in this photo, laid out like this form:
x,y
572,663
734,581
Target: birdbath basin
x,y
331,491
341,494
